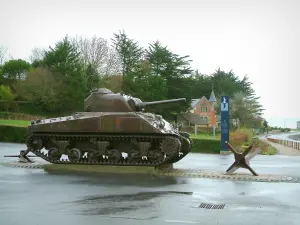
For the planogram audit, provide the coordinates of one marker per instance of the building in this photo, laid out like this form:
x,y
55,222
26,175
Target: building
x,y
298,124
202,113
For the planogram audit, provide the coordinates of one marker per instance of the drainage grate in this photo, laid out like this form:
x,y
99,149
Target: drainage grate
x,y
211,206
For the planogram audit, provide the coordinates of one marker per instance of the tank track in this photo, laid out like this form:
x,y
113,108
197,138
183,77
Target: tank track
x,y
187,145
167,148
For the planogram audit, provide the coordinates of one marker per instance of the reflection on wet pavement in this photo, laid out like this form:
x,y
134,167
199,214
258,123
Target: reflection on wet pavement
x,y
114,204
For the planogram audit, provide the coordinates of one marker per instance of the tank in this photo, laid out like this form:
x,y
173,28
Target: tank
x,y
113,129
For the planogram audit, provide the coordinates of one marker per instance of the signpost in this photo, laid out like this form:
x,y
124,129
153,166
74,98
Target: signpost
x,y
224,124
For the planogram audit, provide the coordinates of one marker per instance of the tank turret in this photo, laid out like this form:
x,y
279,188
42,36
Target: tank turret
x,y
111,124
104,100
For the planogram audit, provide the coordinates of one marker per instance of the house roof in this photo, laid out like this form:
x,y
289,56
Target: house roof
x,y
212,97
194,101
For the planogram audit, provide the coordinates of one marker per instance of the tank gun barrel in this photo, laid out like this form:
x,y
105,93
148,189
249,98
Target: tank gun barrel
x,y
144,104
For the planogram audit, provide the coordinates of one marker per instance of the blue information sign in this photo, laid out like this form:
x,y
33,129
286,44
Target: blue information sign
x,y
224,122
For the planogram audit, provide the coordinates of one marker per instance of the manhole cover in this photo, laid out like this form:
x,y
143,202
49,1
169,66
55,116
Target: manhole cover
x,y
211,206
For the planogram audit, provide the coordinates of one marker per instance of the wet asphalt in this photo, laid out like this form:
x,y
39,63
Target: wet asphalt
x,y
32,196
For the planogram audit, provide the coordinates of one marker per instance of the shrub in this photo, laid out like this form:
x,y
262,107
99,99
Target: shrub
x,y
13,134
206,146
18,116
240,137
266,149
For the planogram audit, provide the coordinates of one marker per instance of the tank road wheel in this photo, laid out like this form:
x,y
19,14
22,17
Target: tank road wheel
x,y
134,155
155,155
54,154
37,144
93,156
114,154
74,154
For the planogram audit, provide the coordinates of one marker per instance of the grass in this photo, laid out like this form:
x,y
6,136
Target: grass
x,y
17,123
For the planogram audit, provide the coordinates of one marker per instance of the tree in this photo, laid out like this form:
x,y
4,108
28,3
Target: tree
x,y
13,71
3,51
129,52
225,83
244,110
37,55
98,59
5,93
16,69
94,52
266,126
5,97
166,75
64,62
44,88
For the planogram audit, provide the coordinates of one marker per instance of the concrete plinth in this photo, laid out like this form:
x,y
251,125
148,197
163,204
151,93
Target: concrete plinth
x,y
165,167
107,169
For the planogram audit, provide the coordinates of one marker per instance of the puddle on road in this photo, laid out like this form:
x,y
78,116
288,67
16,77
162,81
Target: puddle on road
x,y
140,196
115,204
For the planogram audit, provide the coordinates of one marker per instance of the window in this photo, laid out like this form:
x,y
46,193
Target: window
x,y
203,109
204,118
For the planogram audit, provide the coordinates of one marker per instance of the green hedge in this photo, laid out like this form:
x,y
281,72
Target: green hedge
x,y
18,116
206,146
13,134
18,135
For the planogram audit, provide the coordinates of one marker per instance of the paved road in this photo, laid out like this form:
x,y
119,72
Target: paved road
x,y
289,136
31,196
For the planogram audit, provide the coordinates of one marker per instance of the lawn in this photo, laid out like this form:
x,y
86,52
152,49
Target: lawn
x,y
19,123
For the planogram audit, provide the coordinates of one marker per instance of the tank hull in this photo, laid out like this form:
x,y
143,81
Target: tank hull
x,y
108,138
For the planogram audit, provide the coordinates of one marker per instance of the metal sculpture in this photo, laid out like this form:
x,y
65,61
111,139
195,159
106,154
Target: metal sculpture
x,y
242,159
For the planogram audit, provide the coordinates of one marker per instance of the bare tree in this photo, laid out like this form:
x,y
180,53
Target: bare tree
x,y
113,64
94,51
3,52
37,54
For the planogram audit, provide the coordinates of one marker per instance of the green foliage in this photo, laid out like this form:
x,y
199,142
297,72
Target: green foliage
x,y
266,149
15,69
18,116
130,54
206,146
5,93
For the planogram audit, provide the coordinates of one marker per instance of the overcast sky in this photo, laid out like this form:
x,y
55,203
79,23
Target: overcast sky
x,y
257,38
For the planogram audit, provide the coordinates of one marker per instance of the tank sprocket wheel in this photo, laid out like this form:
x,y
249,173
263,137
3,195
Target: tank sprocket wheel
x,y
171,145
185,149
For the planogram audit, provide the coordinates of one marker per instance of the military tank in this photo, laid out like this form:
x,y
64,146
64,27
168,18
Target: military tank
x,y
113,129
